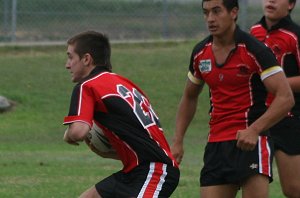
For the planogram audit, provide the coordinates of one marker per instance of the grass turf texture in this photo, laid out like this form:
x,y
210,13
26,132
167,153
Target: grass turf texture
x,y
34,160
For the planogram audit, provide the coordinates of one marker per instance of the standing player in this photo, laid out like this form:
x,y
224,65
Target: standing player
x,y
124,113
238,69
277,30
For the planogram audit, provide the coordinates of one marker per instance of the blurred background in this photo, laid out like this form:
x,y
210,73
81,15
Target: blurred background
x,y
51,21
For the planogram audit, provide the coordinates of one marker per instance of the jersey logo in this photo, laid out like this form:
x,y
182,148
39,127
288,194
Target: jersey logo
x,y
253,166
243,70
205,65
276,49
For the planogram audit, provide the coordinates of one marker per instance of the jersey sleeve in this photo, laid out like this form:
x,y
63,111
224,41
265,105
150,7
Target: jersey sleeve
x,y
270,71
268,63
193,74
264,58
81,106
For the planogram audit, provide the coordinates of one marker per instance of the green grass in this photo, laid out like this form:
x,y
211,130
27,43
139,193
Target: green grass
x,y
35,162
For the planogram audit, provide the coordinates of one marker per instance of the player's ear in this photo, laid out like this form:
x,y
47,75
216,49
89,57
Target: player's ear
x,y
291,6
87,59
234,13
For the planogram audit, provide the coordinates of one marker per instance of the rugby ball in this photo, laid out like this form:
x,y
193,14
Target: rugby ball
x,y
98,139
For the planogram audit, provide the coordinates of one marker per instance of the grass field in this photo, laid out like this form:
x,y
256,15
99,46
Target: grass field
x,y
35,162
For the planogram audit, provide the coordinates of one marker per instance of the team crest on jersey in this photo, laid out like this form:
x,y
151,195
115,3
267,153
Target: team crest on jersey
x,y
243,70
205,65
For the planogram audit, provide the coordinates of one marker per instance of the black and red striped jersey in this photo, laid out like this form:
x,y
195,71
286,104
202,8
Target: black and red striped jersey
x,y
283,40
237,94
126,116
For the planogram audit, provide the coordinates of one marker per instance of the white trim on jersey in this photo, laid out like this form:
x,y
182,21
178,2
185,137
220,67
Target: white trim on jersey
x,y
161,181
263,158
150,176
270,71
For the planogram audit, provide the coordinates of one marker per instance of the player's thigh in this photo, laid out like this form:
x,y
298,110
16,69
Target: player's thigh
x,y
90,193
219,191
288,169
256,186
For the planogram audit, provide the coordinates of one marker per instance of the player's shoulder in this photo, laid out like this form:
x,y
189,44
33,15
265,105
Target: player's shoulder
x,y
293,27
252,44
202,44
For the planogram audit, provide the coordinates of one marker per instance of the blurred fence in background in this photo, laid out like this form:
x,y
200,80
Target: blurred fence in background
x,y
122,20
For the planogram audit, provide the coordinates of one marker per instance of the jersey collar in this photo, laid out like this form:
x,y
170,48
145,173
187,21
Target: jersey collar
x,y
97,70
282,23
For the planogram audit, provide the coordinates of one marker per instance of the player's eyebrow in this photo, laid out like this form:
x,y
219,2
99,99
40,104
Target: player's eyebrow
x,y
213,8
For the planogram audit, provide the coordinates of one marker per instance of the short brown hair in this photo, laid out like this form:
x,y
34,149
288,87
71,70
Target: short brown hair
x,y
94,43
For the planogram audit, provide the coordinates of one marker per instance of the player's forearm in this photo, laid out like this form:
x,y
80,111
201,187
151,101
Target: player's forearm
x,y
185,114
294,82
77,131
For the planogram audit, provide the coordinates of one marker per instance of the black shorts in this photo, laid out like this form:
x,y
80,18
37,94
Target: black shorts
x,y
224,163
147,181
286,135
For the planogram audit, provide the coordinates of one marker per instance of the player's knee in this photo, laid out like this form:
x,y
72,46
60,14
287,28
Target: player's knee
x,y
292,191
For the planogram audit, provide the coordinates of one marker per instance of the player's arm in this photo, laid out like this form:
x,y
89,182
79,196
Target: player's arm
x,y
276,84
280,106
76,132
294,83
185,113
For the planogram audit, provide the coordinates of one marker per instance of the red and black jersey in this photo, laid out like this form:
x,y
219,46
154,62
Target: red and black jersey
x,y
125,114
283,40
236,89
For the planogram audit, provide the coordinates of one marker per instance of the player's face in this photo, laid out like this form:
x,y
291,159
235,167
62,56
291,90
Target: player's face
x,y
274,10
75,65
217,17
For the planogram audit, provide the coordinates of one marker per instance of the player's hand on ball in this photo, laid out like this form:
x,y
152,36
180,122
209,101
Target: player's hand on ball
x,y
97,141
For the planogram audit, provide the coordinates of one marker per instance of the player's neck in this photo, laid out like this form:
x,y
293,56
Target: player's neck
x,y
226,39
271,23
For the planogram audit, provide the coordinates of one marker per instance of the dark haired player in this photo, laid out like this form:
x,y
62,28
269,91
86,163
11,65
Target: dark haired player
x,y
239,70
279,32
124,113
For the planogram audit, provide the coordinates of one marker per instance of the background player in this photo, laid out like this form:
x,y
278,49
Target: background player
x,y
279,32
237,68
124,113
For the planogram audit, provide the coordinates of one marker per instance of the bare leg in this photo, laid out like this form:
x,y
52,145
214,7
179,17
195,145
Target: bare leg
x,y
289,173
219,191
256,186
90,193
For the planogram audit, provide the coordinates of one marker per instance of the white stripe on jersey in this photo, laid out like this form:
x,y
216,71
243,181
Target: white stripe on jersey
x,y
261,157
149,176
161,181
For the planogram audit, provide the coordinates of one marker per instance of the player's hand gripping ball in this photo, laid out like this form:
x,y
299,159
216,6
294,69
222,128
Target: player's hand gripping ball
x,y
98,140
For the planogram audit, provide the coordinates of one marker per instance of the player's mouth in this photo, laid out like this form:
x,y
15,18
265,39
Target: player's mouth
x,y
212,28
270,8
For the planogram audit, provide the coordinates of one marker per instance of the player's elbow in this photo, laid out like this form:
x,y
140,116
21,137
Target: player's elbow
x,y
292,101
289,101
